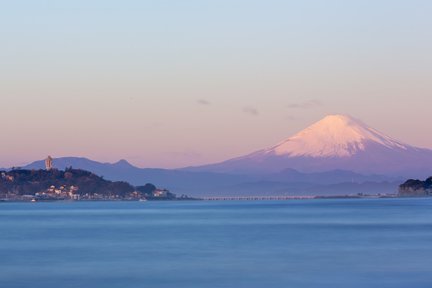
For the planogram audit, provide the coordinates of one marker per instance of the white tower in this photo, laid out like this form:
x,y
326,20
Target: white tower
x,y
48,163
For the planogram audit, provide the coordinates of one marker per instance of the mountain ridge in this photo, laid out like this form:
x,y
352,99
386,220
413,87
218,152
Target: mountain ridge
x,y
286,182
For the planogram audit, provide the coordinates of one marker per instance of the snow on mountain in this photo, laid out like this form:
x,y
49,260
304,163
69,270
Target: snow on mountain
x,y
335,142
333,136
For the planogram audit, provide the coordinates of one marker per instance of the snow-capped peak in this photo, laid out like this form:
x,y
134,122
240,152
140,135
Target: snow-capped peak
x,y
333,136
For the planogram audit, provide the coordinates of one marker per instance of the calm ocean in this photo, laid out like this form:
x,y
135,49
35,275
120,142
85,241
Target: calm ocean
x,y
300,243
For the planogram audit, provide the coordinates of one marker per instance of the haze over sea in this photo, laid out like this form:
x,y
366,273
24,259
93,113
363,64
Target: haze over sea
x,y
300,243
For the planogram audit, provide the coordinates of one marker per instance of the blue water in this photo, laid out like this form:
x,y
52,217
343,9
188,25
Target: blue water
x,y
299,243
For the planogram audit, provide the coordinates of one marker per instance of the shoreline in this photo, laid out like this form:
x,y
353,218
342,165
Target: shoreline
x,y
216,198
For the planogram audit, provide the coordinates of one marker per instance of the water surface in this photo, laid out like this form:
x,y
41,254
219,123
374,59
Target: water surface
x,y
297,243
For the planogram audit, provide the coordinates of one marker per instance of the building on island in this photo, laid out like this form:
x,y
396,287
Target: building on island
x,y
49,163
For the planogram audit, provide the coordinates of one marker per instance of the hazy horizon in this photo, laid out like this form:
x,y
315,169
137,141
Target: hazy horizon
x,y
173,84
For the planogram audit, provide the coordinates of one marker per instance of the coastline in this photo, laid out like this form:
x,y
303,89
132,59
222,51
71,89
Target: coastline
x,y
215,198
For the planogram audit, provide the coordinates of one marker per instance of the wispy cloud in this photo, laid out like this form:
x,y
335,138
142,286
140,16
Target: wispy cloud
x,y
188,154
203,102
306,105
251,111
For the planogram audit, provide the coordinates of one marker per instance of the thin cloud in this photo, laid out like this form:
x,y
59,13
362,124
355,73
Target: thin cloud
x,y
251,111
203,102
190,154
306,105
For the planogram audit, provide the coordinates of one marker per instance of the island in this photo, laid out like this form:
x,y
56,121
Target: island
x,y
73,184
416,188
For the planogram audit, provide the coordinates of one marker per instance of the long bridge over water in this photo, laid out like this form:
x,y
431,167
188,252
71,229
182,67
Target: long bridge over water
x,y
239,198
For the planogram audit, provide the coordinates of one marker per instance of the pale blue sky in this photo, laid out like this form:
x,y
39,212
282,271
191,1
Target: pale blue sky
x,y
177,83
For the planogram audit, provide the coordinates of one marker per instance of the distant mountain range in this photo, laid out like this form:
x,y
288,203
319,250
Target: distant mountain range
x,y
177,181
337,155
195,183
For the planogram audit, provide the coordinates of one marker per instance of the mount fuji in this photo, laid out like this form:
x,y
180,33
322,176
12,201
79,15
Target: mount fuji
x,y
337,142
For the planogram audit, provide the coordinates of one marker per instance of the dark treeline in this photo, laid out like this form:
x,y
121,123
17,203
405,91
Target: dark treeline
x,y
414,187
29,182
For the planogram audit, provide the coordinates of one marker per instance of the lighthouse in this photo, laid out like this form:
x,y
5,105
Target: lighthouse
x,y
48,163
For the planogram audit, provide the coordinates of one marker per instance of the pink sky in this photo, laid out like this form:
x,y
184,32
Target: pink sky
x,y
172,86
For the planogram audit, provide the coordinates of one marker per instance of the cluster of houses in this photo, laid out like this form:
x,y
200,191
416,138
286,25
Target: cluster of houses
x,y
62,192
30,186
7,177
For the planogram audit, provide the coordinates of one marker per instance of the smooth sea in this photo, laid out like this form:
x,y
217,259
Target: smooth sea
x,y
297,243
